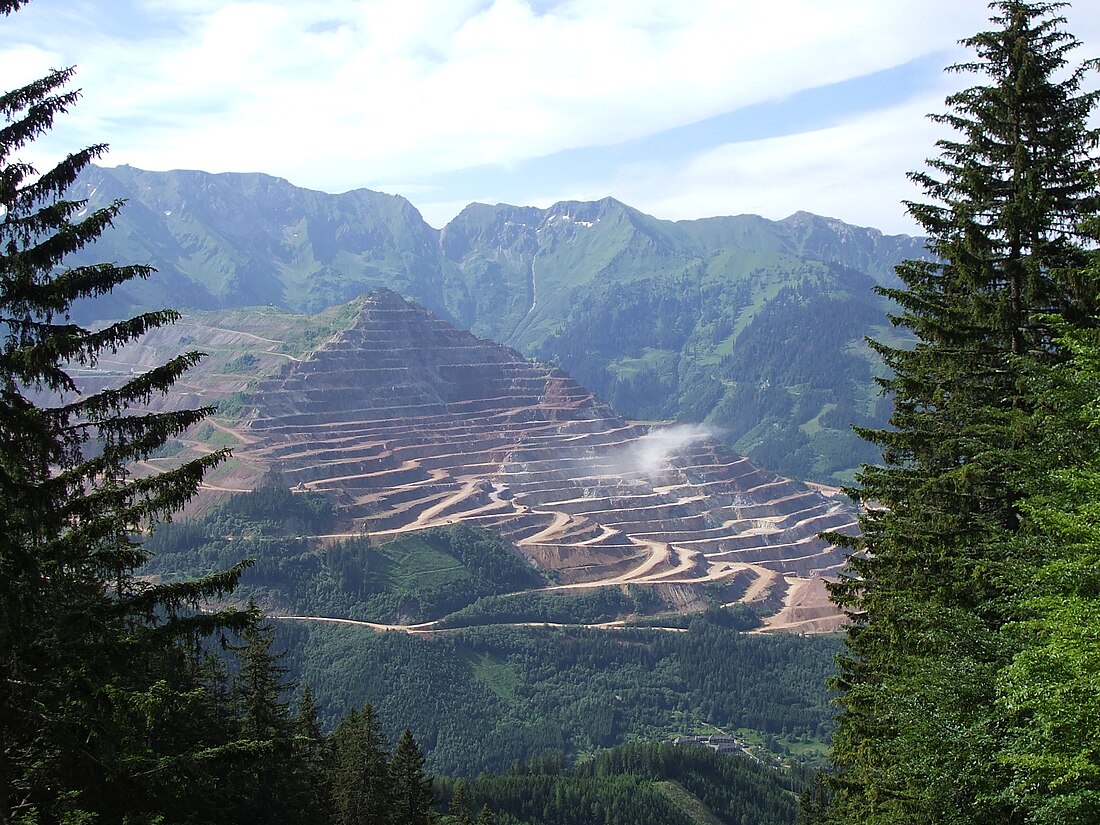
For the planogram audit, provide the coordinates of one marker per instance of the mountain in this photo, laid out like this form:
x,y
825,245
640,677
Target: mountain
x,y
752,326
405,423
233,240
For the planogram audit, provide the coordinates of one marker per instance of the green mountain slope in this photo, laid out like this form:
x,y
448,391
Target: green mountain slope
x,y
642,783
233,240
500,689
482,698
753,326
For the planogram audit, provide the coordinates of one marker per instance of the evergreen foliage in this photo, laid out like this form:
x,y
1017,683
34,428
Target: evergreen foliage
x,y
311,755
1050,690
481,699
114,704
759,355
412,788
641,782
416,578
460,807
363,792
946,552
286,747
106,708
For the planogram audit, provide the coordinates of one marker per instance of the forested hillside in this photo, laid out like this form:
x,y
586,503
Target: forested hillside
x,y
420,577
481,688
482,698
637,783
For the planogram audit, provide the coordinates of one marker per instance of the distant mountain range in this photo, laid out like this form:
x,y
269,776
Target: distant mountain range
x,y
751,325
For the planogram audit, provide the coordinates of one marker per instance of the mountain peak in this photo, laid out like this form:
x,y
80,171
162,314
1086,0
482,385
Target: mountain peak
x,y
385,298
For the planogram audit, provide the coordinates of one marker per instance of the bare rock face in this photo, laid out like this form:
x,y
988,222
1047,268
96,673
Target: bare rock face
x,y
410,423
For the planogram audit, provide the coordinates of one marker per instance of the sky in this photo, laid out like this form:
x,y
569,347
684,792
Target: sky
x,y
681,108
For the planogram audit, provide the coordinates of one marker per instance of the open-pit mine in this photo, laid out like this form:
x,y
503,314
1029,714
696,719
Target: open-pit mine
x,y
407,423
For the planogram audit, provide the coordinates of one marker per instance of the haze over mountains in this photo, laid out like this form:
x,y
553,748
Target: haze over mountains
x,y
753,326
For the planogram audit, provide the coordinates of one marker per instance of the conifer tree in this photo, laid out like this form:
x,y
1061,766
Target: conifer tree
x,y
460,807
91,657
934,575
277,784
261,685
310,759
414,803
362,788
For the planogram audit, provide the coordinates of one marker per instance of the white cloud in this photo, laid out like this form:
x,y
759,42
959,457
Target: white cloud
x,y
346,93
855,171
26,62
420,86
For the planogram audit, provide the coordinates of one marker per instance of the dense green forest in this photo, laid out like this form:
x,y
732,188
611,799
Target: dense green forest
x,y
482,698
969,683
768,358
497,694
640,782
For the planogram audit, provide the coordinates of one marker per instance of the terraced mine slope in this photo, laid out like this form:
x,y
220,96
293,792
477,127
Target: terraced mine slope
x,y
408,423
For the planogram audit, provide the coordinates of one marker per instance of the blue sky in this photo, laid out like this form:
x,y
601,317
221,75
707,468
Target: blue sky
x,y
682,109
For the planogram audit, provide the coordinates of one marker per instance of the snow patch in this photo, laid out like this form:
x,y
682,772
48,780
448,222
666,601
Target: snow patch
x,y
570,219
91,194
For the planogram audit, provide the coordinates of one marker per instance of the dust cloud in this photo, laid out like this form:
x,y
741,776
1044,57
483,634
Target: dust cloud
x,y
651,455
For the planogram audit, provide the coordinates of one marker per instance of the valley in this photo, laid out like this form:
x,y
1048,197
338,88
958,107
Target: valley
x,y
431,514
